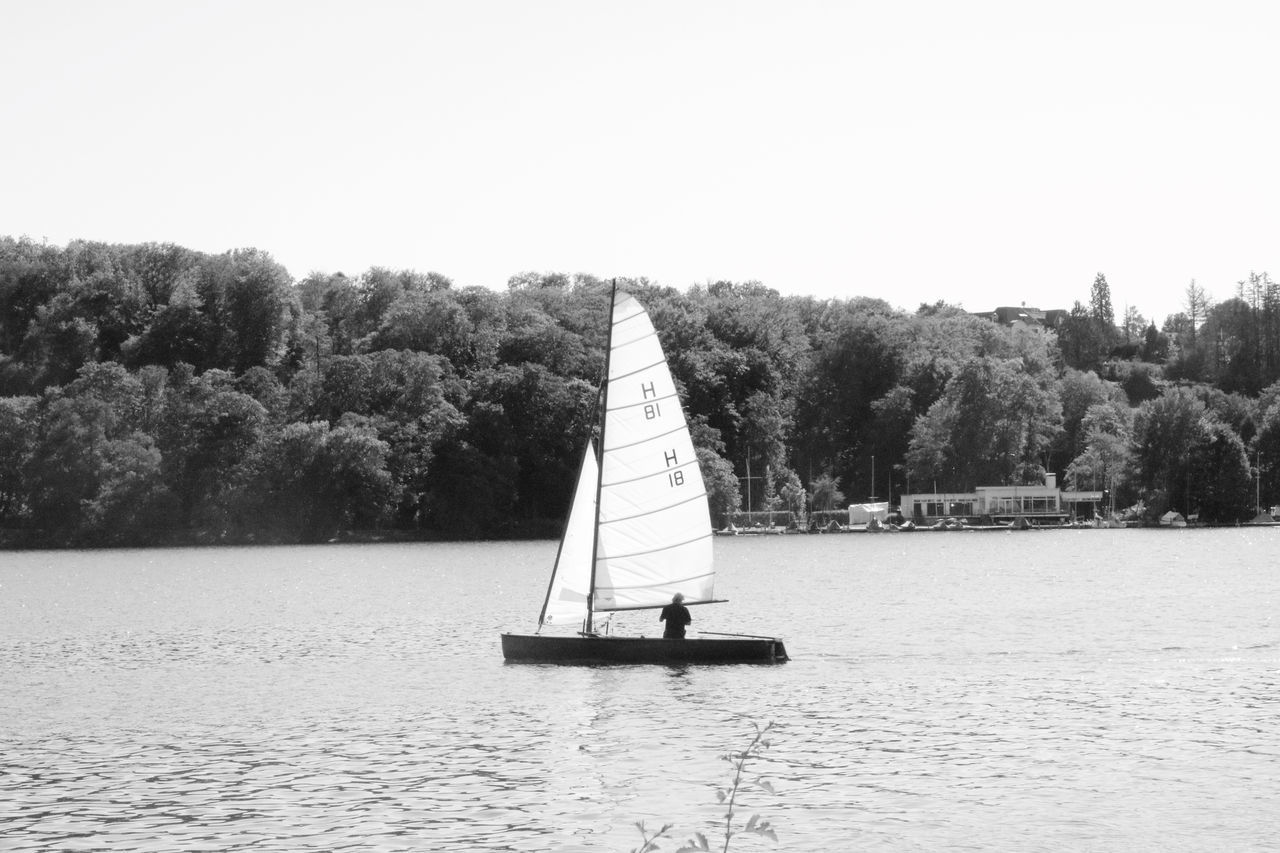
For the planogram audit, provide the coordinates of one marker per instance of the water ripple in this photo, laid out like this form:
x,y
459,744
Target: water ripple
x,y
1116,693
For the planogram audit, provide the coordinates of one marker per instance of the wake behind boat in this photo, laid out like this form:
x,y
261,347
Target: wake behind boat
x,y
639,530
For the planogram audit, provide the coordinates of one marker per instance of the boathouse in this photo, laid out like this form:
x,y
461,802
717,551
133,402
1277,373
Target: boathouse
x,y
998,504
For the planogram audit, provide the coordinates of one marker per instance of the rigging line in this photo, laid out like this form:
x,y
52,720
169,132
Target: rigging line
x,y
612,557
652,511
654,437
654,474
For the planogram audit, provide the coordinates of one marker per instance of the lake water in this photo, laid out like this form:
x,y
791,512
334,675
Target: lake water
x,y
1044,690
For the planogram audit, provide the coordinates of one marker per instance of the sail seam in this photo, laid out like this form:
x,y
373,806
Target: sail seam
x,y
653,511
647,334
609,557
654,474
636,313
674,582
680,428
648,402
667,583
622,376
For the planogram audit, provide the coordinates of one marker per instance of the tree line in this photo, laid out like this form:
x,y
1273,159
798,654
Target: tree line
x,y
154,394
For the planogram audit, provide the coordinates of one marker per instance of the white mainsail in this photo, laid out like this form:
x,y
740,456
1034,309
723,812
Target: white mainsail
x,y
655,525
571,580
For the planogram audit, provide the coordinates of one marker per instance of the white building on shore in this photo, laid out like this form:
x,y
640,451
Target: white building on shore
x,y
1004,503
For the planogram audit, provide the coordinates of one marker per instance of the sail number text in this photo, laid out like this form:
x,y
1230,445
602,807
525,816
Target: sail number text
x,y
675,478
653,410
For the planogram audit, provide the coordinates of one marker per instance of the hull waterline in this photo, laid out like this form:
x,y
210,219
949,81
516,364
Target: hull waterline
x,y
538,648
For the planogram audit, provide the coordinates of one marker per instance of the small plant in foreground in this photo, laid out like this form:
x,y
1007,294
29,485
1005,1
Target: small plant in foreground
x,y
650,841
754,825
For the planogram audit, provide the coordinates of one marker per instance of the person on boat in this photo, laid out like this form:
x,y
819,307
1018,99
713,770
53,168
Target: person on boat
x,y
676,615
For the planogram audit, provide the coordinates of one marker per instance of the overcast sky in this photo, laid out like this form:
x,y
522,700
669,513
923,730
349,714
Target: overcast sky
x,y
981,153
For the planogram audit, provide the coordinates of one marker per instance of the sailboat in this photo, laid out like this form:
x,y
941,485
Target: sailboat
x,y
639,529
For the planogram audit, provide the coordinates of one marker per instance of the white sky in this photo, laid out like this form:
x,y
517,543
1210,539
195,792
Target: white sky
x,y
985,153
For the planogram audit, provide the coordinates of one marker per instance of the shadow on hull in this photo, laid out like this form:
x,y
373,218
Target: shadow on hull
x,y
536,648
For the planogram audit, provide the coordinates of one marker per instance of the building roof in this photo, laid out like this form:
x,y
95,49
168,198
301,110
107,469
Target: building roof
x,y
1009,315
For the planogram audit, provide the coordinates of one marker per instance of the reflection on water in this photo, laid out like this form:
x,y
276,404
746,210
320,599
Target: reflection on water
x,y
1035,691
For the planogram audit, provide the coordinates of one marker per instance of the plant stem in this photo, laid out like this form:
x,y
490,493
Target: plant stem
x,y
737,778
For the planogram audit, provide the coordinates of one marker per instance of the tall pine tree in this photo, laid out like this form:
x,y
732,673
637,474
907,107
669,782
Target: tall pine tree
x,y
1103,316
1100,302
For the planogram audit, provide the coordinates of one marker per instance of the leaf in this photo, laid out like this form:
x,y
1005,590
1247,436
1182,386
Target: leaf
x,y
697,844
720,795
771,835
751,823
766,785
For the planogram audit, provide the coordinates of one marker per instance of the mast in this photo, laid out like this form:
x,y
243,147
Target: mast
x,y
604,419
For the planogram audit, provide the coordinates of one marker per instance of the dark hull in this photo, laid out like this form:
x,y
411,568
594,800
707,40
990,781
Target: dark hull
x,y
536,648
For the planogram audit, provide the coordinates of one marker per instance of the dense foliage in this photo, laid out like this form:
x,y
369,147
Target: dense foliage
x,y
150,393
